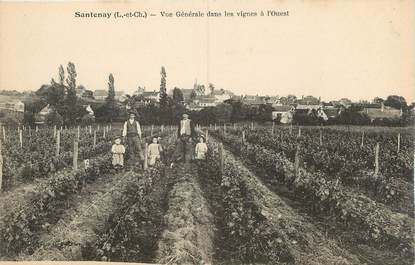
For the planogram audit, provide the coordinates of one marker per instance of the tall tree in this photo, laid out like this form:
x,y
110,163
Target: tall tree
x,y
71,101
211,88
61,75
71,79
177,95
397,102
110,99
163,90
200,90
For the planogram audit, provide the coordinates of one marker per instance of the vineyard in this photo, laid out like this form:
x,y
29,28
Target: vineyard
x,y
264,195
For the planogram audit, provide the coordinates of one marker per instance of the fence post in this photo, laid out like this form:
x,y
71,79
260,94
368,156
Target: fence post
x,y
146,157
21,138
75,155
399,142
1,166
95,138
58,142
221,157
377,159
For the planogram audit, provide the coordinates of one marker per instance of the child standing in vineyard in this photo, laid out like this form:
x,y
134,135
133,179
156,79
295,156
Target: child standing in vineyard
x,y
201,149
118,151
154,151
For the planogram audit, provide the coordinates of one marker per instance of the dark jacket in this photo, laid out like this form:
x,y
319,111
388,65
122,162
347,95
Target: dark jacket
x,y
192,129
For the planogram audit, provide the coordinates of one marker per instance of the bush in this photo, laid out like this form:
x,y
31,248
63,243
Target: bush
x,y
54,118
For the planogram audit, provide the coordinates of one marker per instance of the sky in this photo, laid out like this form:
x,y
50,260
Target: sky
x,y
333,49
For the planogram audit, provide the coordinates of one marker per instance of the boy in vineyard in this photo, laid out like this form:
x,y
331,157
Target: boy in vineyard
x,y
118,151
154,151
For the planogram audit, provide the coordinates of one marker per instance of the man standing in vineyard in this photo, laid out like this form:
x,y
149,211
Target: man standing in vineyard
x,y
132,135
185,133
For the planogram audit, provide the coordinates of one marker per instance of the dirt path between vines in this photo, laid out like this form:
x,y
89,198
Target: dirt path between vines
x,y
87,212
188,237
330,228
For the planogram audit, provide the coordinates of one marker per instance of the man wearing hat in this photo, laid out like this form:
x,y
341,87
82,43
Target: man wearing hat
x,y
185,133
132,135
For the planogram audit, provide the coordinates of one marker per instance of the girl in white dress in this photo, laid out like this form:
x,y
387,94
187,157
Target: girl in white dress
x,y
118,151
154,151
201,149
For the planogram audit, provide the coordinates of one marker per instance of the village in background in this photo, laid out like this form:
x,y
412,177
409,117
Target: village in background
x,y
63,102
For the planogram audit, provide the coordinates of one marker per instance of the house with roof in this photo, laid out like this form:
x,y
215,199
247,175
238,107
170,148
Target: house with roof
x,y
40,117
382,112
152,96
100,94
221,95
279,110
253,100
202,102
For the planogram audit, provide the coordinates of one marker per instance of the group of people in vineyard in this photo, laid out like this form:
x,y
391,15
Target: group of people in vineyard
x,y
131,136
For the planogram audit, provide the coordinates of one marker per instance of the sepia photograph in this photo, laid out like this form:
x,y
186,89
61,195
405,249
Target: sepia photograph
x,y
207,132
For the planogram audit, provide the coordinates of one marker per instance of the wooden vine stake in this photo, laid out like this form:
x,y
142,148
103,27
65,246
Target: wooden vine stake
x,y
321,136
21,138
234,126
207,136
243,137
54,131
152,129
162,128
221,157
105,130
224,128
75,155
37,128
1,166
95,138
297,160
146,157
252,126
78,133
299,131
291,128
4,134
377,159
215,127
399,142
363,139
58,142
90,129
273,126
